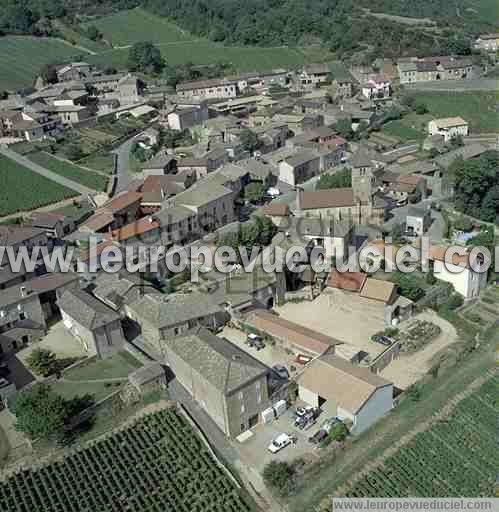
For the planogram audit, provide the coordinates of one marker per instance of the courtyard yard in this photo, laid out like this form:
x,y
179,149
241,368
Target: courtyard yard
x,y
345,321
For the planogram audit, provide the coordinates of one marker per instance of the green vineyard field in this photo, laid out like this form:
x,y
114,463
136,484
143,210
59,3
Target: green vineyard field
x,y
158,464
455,457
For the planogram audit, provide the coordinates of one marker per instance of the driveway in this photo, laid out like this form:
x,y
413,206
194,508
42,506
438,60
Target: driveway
x,y
45,172
123,171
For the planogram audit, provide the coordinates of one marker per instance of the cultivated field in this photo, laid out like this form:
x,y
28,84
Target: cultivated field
x,y
159,463
68,170
22,189
128,27
179,47
455,457
22,57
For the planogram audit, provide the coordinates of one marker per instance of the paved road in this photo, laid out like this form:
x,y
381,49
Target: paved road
x,y
21,160
124,172
477,84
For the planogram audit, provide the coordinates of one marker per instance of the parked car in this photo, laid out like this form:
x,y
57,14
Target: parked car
x,y
281,371
307,419
280,442
254,340
301,411
302,359
383,340
319,436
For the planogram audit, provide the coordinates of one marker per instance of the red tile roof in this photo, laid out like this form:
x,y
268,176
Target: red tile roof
x,y
351,281
331,198
134,229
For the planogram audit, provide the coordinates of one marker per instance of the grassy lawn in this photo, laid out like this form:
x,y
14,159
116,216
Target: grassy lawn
x,y
70,171
98,390
117,366
22,189
22,57
99,162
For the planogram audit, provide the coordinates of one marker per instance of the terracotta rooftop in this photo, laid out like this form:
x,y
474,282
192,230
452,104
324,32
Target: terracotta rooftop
x,y
133,229
376,289
350,281
122,201
331,198
276,209
302,338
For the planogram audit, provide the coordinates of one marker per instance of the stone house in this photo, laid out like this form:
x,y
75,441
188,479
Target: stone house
x,y
187,114
208,89
487,42
314,74
448,128
73,71
417,220
16,237
55,225
163,317
228,383
96,326
299,167
26,307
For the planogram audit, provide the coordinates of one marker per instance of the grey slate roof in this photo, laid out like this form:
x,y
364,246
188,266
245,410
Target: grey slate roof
x,y
173,214
221,363
147,373
167,310
361,158
86,309
301,158
13,235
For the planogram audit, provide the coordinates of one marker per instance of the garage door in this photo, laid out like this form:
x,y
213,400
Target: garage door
x,y
308,396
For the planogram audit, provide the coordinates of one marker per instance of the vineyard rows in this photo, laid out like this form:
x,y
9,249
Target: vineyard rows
x,y
455,457
158,464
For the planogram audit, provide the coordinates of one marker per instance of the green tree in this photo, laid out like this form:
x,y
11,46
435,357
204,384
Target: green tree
x,y
344,128
410,285
254,192
42,361
475,185
463,223
279,476
145,57
73,152
49,73
340,179
93,33
339,432
421,108
249,140
40,413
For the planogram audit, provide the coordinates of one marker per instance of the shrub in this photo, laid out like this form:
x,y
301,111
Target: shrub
x,y
42,361
279,476
455,301
339,432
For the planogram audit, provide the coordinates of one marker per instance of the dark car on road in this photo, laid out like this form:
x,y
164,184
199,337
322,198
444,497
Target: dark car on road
x,y
253,340
319,436
383,340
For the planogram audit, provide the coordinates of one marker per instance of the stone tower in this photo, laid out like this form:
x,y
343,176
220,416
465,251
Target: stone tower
x,y
363,180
